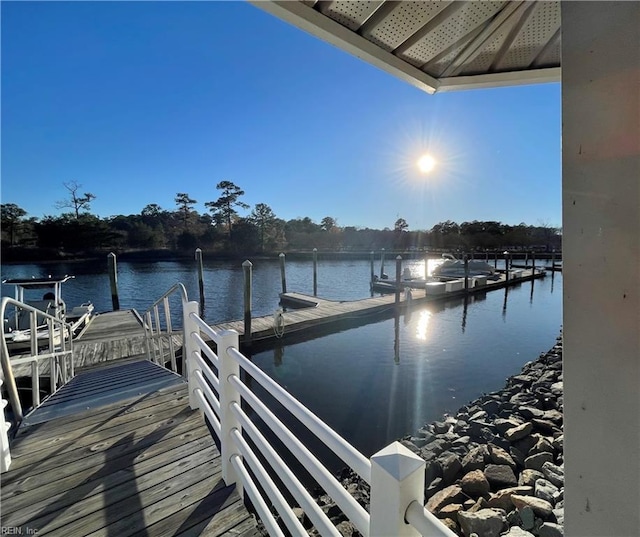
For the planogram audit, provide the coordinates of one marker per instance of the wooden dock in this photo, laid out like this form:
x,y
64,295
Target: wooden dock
x,y
138,462
323,314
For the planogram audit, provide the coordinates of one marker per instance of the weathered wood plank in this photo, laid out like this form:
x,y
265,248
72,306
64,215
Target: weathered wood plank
x,y
135,466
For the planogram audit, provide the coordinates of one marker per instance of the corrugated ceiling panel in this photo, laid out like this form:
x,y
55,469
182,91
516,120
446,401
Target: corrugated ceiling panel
x,y
402,22
450,31
550,57
541,25
349,13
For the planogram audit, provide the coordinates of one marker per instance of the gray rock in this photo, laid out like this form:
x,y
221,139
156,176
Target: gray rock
x,y
346,529
546,490
451,466
529,476
484,523
410,445
450,511
503,425
549,529
500,476
517,456
517,532
545,426
537,461
500,456
502,498
542,445
553,473
475,484
559,514
475,459
528,517
519,432
451,494
541,508
529,412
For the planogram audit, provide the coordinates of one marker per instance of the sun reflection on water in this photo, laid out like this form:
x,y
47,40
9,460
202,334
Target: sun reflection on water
x,y
423,325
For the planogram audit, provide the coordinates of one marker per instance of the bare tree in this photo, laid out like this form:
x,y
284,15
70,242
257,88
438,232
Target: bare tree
x,y
76,201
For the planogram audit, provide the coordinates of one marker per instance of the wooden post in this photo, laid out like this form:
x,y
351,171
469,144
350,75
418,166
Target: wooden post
x,y
398,276
315,272
283,276
526,259
113,280
466,273
381,262
533,263
200,278
371,256
495,260
553,259
246,269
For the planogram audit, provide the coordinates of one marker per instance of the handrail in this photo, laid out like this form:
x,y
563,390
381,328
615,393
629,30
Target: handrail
x,y
56,353
395,475
153,328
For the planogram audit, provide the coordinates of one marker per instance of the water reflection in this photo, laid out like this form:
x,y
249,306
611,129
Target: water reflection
x,y
422,325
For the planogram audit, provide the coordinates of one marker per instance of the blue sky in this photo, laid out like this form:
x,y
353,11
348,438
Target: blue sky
x,y
139,101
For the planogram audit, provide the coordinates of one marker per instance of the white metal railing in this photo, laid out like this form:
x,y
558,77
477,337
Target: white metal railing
x,y
395,475
43,338
5,453
161,343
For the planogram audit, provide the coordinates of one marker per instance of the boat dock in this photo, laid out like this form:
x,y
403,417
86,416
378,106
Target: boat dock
x,y
312,313
117,451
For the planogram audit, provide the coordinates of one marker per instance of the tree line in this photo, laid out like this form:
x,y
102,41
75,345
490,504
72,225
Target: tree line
x,y
222,229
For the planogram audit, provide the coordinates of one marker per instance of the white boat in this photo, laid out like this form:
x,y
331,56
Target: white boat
x,y
453,268
17,325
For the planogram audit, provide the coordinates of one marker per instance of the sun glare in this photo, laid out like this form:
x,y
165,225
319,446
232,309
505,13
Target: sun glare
x,y
426,163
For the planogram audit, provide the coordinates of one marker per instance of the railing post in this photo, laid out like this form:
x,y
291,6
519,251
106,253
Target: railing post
x,y
397,479
228,395
5,455
188,348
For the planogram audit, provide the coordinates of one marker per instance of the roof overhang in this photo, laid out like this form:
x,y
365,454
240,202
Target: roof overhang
x,y
439,45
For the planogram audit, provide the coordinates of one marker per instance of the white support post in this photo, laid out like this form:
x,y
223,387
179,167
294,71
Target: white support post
x,y
228,395
397,479
188,348
5,455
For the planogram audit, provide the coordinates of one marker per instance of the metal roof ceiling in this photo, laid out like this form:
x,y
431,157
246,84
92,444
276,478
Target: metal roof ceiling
x,y
439,45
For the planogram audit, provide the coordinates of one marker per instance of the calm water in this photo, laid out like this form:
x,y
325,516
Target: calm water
x,y
374,383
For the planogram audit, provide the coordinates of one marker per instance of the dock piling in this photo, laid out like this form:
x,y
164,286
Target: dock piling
x,y
398,276
113,280
247,271
371,256
200,278
381,262
466,273
283,276
315,272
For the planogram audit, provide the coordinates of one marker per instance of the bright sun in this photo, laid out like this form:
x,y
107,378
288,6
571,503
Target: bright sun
x,y
426,163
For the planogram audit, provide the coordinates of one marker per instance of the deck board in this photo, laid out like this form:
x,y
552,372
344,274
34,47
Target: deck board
x,y
140,465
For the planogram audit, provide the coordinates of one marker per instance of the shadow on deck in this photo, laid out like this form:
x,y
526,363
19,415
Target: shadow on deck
x,y
139,462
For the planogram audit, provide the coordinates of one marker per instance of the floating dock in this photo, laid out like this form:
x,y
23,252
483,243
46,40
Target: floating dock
x,y
312,313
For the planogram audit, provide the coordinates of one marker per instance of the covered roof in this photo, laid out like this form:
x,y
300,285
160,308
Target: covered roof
x,y
439,45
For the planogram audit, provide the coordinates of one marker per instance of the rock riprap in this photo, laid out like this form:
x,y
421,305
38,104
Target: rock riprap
x,y
496,467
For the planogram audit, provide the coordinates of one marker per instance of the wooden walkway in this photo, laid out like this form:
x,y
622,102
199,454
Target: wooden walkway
x,y
328,312
142,465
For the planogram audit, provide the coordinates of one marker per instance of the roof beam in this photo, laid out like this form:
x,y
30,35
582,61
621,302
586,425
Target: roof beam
x,y
313,22
496,80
